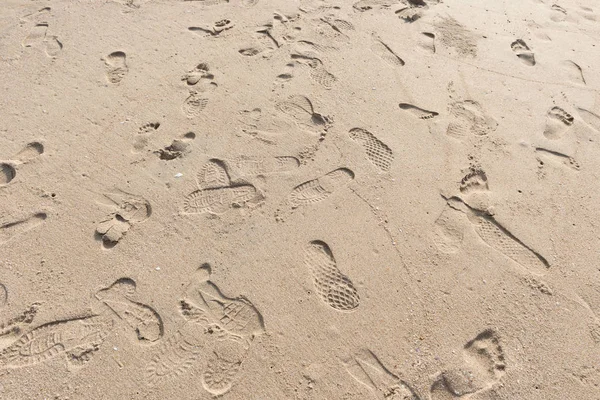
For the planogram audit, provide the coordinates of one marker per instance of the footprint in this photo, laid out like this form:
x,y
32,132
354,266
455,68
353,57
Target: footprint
x,y
143,135
129,210
76,338
454,35
12,328
377,152
177,148
7,174
319,189
318,73
523,52
500,239
366,5
556,157
194,104
409,14
334,288
13,229
468,117
590,118
366,369
29,152
254,166
201,78
447,233
418,112
558,122
116,66
229,324
574,71
483,366
384,52
300,109
52,46
215,30
144,320
427,42
476,180
36,35
215,193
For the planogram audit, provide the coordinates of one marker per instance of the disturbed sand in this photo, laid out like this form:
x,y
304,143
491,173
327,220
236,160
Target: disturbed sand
x,y
268,199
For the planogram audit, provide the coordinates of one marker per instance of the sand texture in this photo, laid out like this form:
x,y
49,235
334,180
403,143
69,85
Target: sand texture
x,y
303,199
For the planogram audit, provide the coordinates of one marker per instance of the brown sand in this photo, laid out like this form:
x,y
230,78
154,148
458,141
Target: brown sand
x,y
268,199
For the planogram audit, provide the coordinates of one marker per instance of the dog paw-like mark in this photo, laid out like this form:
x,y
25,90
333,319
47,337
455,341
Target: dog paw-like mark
x,y
520,48
215,30
215,192
10,229
558,122
377,152
319,189
367,369
418,112
384,52
229,324
144,320
333,287
499,238
300,109
177,148
556,157
128,210
116,66
468,117
483,366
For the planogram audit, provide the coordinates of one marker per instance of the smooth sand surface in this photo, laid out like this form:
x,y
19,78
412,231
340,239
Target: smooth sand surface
x,y
269,199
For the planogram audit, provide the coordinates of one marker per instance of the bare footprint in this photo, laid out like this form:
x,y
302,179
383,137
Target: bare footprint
x,y
177,148
418,112
558,122
144,134
384,52
556,157
483,366
574,71
116,66
469,117
448,233
523,52
590,118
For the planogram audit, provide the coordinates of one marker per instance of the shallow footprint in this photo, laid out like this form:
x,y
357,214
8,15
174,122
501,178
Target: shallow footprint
x,y
558,122
116,66
418,112
523,52
7,173
11,229
319,189
37,35
177,148
29,152
130,210
52,46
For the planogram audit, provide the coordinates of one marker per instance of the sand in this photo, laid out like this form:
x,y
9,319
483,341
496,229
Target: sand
x,y
268,199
